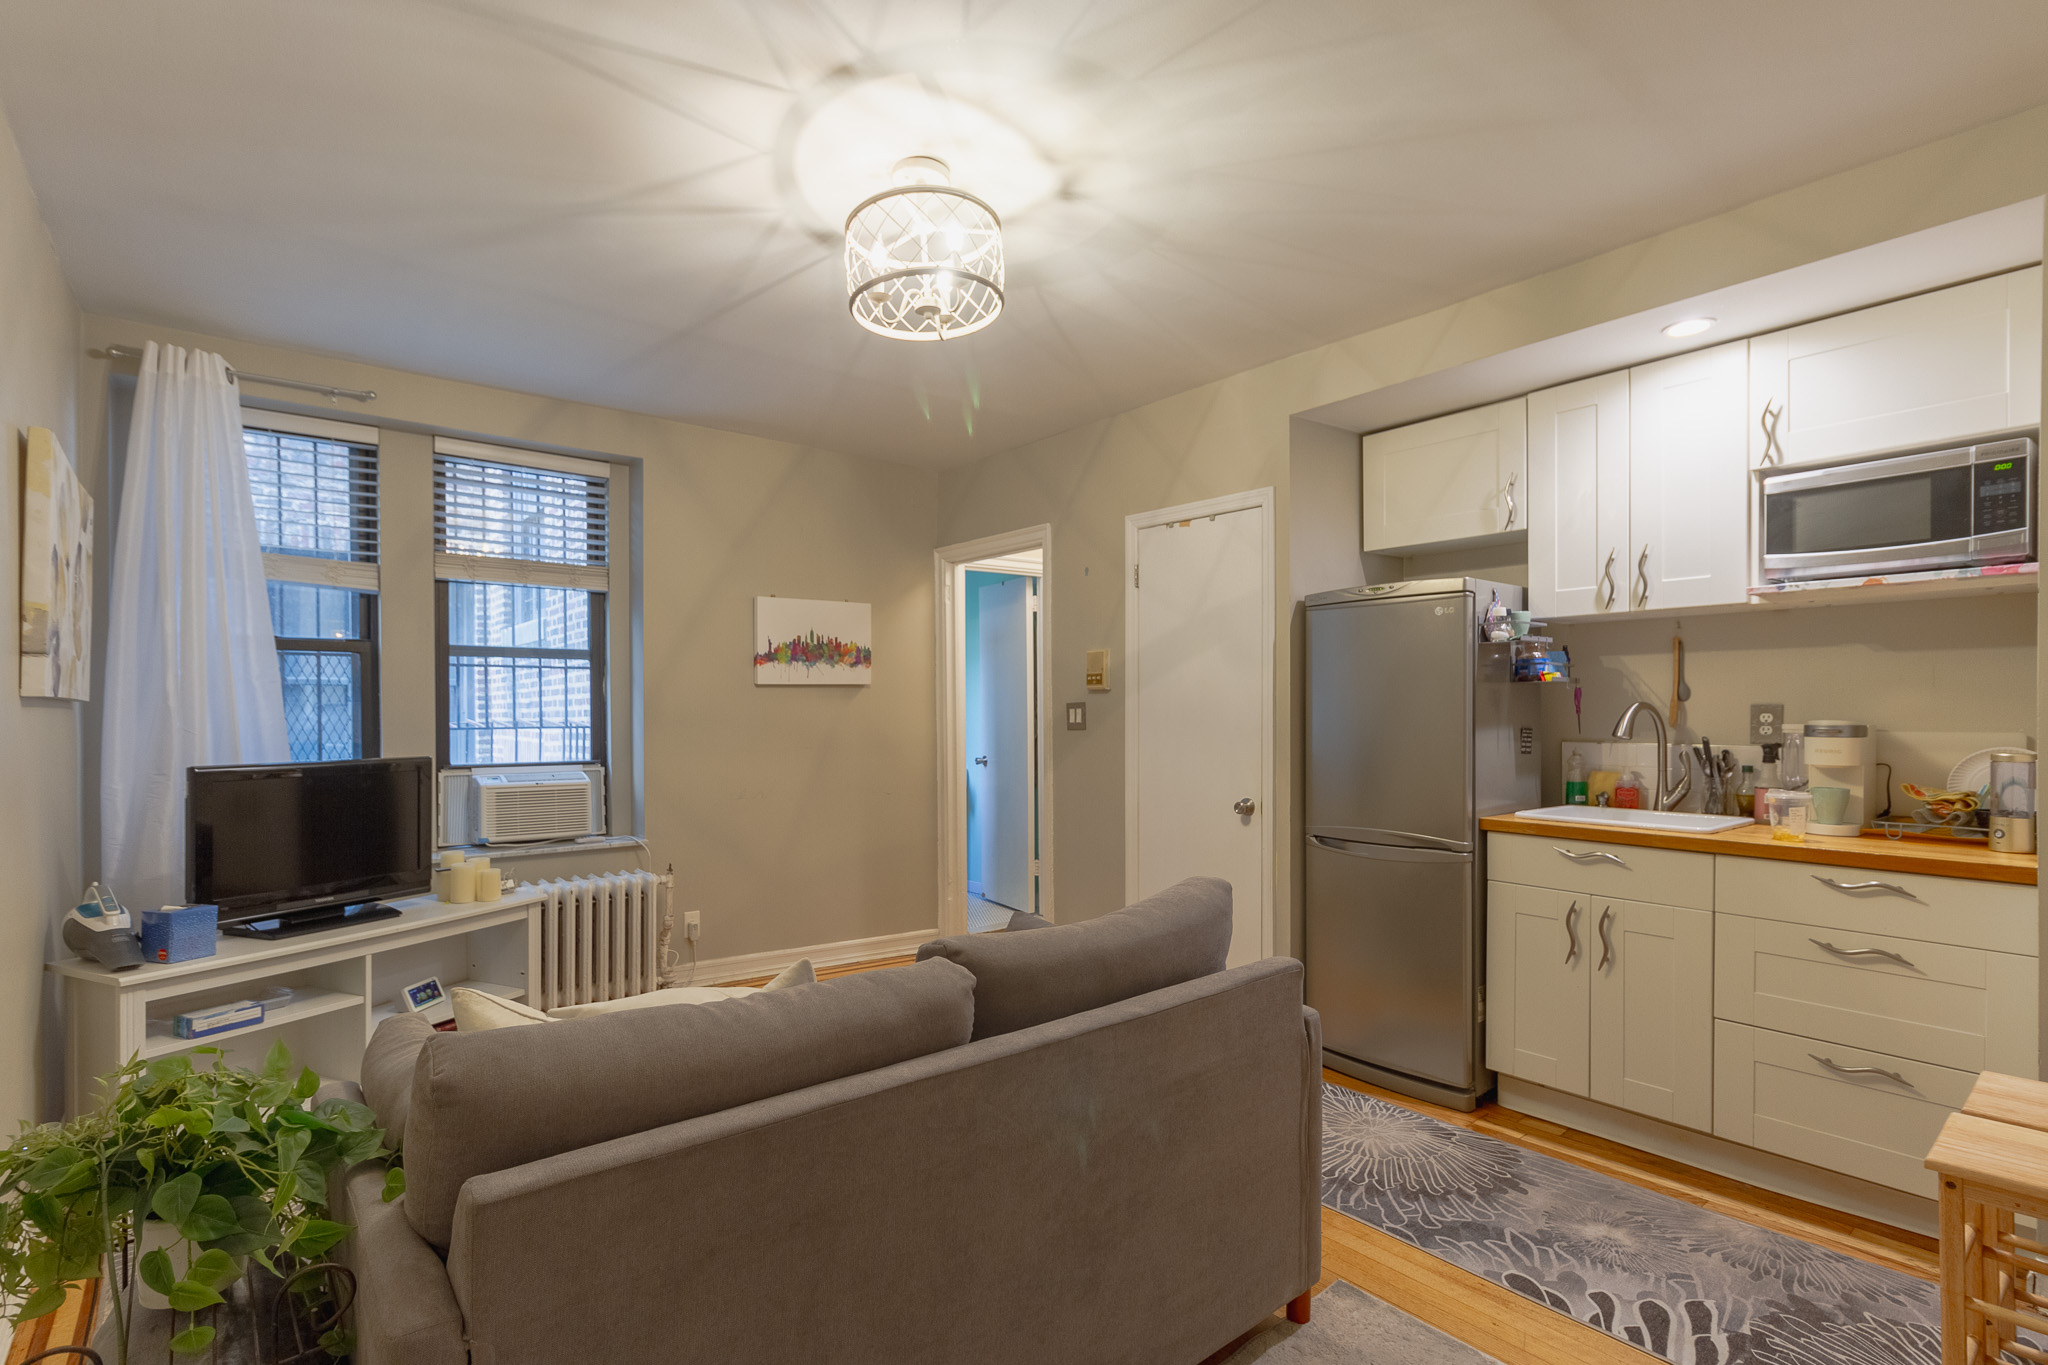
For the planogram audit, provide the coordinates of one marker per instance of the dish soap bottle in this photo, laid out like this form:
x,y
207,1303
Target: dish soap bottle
x,y
1628,793
1575,779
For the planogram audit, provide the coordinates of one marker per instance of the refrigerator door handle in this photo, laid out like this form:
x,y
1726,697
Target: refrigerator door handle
x,y
1386,838
1388,853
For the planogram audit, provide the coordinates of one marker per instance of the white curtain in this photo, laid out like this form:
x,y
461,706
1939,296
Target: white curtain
x,y
191,662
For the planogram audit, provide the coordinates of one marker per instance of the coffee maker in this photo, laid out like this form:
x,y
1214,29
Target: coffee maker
x,y
1841,756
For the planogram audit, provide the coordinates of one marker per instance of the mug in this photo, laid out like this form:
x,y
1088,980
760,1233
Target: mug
x,y
1830,805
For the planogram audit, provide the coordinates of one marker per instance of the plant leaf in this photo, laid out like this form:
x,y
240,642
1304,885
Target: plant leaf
x,y
192,1340
157,1272
277,1064
167,1070
211,1217
174,1199
316,1236
212,1269
309,1084
48,1299
291,1145
45,1212
347,1116
148,1160
189,1296
394,1183
360,1147
51,1167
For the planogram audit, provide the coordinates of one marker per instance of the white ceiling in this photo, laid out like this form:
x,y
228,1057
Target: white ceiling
x,y
635,202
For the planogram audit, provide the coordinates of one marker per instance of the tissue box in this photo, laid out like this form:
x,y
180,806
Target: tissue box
x,y
179,933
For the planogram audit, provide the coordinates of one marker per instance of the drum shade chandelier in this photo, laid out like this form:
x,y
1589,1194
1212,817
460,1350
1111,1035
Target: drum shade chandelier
x,y
924,260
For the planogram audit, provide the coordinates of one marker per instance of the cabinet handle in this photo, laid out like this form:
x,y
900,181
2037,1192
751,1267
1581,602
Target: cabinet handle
x,y
1571,933
1509,494
1643,574
1607,577
1606,943
1853,953
1587,857
1773,452
1888,888
1841,1070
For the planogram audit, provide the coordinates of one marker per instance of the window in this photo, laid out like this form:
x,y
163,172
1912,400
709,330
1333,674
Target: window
x,y
314,487
522,563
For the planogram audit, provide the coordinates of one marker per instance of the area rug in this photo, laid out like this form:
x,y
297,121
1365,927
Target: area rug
x,y
1682,1283
1348,1326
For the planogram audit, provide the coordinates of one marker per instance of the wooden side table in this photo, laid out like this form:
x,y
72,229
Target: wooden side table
x,y
1991,1161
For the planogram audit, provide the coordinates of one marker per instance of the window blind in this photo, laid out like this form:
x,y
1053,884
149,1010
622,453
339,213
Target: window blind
x,y
314,490
508,520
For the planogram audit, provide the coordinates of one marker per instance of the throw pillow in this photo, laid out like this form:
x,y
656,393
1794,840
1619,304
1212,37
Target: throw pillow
x,y
1024,919
674,995
797,973
477,1011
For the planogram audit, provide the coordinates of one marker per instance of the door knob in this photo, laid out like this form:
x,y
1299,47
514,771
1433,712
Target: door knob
x,y
983,760
1244,806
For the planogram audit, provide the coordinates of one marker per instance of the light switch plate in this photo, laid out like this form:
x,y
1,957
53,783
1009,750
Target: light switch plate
x,y
1766,722
1077,715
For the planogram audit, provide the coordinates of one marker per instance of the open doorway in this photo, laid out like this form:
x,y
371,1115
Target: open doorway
x,y
993,808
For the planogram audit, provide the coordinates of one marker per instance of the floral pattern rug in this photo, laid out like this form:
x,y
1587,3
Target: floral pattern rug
x,y
1683,1283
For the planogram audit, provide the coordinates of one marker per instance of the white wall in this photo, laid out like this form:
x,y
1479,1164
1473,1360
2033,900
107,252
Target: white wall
x,y
39,804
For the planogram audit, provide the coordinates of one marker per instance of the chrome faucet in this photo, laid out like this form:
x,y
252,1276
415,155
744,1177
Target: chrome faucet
x,y
1667,795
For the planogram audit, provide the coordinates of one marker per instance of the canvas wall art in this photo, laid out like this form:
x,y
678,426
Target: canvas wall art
x,y
56,573
802,643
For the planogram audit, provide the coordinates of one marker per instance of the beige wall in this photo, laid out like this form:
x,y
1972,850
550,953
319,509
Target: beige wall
x,y
794,816
1235,433
39,804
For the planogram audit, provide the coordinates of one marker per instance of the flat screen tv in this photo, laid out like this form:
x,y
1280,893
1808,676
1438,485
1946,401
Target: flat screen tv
x,y
308,845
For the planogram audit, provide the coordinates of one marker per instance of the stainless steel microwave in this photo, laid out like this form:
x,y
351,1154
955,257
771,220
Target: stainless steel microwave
x,y
1901,513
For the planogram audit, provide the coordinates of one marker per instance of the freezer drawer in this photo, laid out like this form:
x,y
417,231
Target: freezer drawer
x,y
1392,955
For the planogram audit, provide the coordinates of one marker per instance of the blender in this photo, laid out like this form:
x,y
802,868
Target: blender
x,y
2011,801
1841,770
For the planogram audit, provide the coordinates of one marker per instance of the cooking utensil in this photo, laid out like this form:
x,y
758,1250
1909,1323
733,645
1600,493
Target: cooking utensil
x,y
1680,690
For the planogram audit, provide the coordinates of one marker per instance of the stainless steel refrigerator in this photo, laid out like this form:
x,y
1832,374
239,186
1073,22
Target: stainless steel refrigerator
x,y
1414,730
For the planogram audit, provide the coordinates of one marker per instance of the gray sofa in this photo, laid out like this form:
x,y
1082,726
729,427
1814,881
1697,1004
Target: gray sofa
x,y
1099,1147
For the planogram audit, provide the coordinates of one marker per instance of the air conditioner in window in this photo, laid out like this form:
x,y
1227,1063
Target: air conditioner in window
x,y
521,805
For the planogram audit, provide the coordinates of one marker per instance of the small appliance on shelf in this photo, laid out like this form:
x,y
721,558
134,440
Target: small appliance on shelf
x,y
1841,768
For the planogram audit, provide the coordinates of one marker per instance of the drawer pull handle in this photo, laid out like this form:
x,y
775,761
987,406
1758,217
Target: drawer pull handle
x,y
1606,943
1841,1070
1571,933
1889,888
1588,857
1854,953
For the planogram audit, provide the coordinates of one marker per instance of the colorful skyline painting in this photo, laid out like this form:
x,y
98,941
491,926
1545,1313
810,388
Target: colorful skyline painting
x,y
799,642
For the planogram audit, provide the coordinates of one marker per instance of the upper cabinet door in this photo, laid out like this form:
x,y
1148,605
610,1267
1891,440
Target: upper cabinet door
x,y
1688,482
1945,366
1455,478
1578,497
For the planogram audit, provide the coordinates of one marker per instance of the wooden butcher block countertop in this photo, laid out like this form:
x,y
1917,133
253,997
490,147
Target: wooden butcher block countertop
x,y
1929,857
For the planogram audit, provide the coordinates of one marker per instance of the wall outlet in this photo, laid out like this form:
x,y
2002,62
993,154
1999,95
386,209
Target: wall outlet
x,y
693,924
1077,715
1766,722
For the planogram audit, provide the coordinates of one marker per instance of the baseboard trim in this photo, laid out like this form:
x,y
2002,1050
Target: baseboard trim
x,y
713,970
1783,1175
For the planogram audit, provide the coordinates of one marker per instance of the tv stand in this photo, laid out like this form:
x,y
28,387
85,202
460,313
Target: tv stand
x,y
312,921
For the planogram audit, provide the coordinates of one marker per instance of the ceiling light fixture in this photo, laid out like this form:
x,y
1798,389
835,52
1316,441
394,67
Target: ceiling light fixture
x,y
1689,327
924,260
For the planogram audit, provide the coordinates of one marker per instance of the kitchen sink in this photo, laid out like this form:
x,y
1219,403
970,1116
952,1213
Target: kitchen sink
x,y
1664,821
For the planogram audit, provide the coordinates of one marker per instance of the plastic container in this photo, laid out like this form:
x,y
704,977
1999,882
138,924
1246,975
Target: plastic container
x,y
1791,812
1575,779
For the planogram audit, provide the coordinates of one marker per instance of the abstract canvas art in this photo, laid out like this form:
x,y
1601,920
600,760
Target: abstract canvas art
x,y
802,643
56,574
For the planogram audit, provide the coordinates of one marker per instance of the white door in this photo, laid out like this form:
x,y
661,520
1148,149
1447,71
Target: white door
x,y
1452,478
1200,661
1578,497
1653,1011
1944,366
1537,972
1003,817
1688,479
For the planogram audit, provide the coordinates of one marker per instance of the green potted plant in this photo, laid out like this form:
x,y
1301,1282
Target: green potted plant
x,y
194,1171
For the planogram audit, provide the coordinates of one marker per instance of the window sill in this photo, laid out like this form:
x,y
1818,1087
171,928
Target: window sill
x,y
497,853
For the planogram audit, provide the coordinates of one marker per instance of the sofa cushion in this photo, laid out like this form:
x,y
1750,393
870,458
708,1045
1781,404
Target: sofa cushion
x,y
672,995
387,1071
477,1011
1026,979
491,1101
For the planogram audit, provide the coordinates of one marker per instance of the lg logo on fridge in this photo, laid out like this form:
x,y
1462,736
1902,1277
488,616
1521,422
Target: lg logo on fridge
x,y
1443,611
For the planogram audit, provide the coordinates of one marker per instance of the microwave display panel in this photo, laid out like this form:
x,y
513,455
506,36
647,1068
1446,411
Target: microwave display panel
x,y
1906,509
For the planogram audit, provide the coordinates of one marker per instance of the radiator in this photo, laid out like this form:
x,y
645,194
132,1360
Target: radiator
x,y
601,938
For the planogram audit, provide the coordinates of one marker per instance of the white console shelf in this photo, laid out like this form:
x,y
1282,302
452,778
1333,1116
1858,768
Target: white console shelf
x,y
344,982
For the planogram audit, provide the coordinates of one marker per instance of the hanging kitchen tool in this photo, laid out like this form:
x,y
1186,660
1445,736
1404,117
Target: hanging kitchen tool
x,y
1680,690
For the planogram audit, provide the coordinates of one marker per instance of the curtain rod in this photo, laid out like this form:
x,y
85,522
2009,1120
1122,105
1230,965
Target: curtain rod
x,y
242,376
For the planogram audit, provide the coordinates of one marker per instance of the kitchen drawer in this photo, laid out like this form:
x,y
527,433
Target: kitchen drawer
x,y
1659,875
2000,917
1771,1092
1955,1007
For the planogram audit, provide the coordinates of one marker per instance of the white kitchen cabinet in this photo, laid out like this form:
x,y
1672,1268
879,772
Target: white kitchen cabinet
x,y
1537,982
1944,366
1579,497
1688,480
1454,479
1652,1044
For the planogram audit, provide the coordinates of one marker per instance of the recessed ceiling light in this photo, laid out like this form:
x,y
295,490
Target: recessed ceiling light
x,y
1688,327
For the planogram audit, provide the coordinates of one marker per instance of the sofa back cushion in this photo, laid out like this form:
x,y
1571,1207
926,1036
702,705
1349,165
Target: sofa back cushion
x,y
494,1100
1026,979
